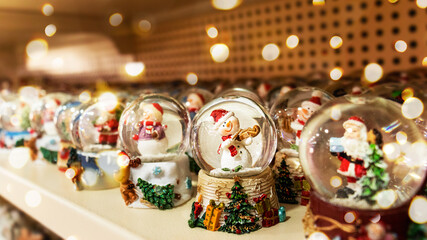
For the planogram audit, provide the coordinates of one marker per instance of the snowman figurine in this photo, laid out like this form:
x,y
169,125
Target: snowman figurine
x,y
151,137
234,155
304,113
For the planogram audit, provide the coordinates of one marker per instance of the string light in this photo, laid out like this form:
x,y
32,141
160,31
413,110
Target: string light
x,y
270,52
212,32
336,73
412,108
50,30
219,52
133,69
318,2
37,48
116,19
336,42
421,4
144,25
226,4
47,9
192,78
373,72
292,41
424,63
400,46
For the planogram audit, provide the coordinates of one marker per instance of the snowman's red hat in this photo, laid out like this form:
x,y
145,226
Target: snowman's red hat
x,y
199,95
219,116
314,102
153,106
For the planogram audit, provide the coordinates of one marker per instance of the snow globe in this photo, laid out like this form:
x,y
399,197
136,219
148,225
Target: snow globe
x,y
233,141
278,92
98,136
290,113
237,91
363,169
61,120
42,122
154,172
344,87
15,122
194,99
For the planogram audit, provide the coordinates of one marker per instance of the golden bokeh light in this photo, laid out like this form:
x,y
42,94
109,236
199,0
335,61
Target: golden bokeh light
x,y
401,137
47,9
393,1
336,73
373,72
192,78
407,93
336,42
424,62
292,41
335,181
134,69
422,4
225,4
418,210
37,48
115,19
219,52
412,108
318,2
386,198
400,46
391,150
108,101
85,96
350,217
50,30
270,52
212,32
144,25
70,173
318,236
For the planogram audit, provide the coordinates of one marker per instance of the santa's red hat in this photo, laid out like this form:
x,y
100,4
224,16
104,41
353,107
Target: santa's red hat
x,y
219,116
355,121
314,102
199,95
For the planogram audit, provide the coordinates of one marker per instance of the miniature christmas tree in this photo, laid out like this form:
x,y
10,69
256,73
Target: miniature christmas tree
x,y
239,220
160,196
284,185
376,178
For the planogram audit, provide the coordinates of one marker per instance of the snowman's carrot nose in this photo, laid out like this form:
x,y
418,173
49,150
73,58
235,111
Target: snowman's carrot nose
x,y
228,124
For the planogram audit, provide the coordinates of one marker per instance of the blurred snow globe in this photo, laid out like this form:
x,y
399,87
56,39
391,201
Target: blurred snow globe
x,y
63,117
194,99
42,113
98,124
15,121
73,126
354,158
291,111
345,86
154,127
233,135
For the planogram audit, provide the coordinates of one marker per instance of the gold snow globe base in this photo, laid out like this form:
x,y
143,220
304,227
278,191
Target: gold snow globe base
x,y
216,194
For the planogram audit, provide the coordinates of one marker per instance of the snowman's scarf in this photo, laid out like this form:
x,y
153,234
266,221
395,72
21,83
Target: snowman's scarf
x,y
232,148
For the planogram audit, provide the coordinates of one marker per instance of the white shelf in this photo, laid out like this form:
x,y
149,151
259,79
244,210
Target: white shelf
x,y
103,215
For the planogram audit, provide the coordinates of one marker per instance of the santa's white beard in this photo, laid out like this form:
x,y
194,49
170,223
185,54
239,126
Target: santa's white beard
x,y
355,148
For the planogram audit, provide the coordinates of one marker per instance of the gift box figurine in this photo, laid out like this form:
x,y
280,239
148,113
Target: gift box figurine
x,y
93,130
233,141
154,171
363,169
42,116
290,113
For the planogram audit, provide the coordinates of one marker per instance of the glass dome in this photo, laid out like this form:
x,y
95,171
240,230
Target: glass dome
x,y
243,93
42,113
291,111
194,99
233,135
98,125
63,117
154,127
354,158
73,127
344,87
15,116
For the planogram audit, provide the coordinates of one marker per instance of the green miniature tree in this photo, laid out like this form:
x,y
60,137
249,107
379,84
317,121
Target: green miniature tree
x,y
376,178
284,185
239,219
160,196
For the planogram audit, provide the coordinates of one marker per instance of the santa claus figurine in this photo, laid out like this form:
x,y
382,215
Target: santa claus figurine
x,y
194,102
304,113
151,137
107,126
351,150
232,150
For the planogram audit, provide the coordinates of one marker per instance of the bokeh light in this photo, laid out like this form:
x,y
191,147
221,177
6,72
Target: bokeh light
x,y
335,181
292,41
192,78
50,30
19,157
212,32
58,62
33,198
70,173
418,210
270,52
400,46
318,2
37,48
401,137
226,4
412,108
424,62
336,42
108,101
386,198
373,72
116,19
407,93
318,236
391,150
47,9
133,69
421,4
144,25
219,52
350,217
393,1
85,96
336,73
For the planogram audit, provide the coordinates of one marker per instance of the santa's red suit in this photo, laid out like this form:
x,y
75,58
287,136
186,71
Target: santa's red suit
x,y
350,167
108,132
